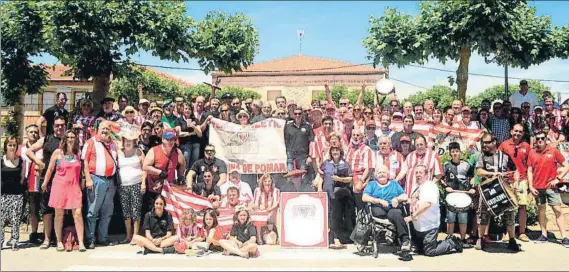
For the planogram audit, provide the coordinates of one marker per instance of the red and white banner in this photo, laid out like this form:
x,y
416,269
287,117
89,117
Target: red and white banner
x,y
441,135
252,149
420,126
304,220
564,149
178,200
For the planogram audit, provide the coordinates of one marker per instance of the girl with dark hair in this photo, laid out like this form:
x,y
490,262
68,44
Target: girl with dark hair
x,y
158,227
66,188
212,234
13,172
243,236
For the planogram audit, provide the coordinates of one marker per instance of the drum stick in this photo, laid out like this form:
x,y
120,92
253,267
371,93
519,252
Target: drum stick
x,y
459,191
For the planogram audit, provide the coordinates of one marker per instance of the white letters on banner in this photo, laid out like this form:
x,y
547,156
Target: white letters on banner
x,y
250,149
304,220
564,149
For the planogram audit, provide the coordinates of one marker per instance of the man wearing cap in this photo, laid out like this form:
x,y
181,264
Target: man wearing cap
x,y
168,117
100,159
226,98
143,113
108,113
155,115
49,115
465,121
266,111
162,163
524,95
408,123
297,135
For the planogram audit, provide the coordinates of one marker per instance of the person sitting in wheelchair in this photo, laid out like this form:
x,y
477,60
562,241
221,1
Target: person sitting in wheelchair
x,y
386,198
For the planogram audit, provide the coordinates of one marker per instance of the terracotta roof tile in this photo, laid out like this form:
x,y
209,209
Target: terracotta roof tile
x,y
57,75
305,65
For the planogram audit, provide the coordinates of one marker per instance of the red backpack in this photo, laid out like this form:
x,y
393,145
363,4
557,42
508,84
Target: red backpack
x,y
70,240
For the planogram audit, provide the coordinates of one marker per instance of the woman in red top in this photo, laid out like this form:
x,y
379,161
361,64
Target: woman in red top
x,y
161,164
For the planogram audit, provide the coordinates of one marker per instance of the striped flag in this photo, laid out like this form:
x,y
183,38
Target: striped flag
x,y
178,199
420,126
442,135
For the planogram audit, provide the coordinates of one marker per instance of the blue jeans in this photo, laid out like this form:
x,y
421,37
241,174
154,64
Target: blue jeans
x,y
300,161
462,217
100,204
191,153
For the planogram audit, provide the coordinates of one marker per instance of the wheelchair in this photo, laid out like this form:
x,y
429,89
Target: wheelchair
x,y
382,233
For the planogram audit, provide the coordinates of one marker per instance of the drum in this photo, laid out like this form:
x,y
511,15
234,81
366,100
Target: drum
x,y
498,196
458,202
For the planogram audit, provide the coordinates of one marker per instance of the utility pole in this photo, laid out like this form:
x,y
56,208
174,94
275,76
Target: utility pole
x,y
506,82
300,35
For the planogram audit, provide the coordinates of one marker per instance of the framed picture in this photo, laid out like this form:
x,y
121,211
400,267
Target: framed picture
x,y
304,220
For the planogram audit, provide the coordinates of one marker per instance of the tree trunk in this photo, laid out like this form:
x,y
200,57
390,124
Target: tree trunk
x,y
101,86
19,115
462,71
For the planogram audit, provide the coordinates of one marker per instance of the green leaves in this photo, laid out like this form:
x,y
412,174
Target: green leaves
x,y
504,32
497,92
440,94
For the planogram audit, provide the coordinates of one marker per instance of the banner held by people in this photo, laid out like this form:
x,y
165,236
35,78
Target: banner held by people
x,y
178,200
441,135
252,149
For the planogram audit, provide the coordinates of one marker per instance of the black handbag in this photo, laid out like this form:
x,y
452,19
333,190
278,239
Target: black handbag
x,y
361,233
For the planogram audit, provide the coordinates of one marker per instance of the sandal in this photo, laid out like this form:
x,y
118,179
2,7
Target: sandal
x,y
82,249
45,245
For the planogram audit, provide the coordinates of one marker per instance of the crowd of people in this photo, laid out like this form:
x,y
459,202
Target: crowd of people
x,y
353,152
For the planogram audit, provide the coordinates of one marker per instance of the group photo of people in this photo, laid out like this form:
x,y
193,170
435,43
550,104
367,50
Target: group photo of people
x,y
371,160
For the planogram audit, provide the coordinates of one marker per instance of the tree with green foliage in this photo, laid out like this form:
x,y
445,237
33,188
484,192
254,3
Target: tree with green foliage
x,y
440,94
562,42
97,39
497,92
154,86
21,29
239,92
503,32
339,91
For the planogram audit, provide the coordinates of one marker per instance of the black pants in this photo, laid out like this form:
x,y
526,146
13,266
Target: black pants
x,y
342,214
427,244
358,201
395,216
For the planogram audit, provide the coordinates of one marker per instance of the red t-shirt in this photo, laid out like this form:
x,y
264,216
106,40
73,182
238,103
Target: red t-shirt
x,y
520,158
544,165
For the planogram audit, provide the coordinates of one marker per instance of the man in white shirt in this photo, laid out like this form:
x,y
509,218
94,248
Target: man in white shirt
x,y
524,95
426,217
245,195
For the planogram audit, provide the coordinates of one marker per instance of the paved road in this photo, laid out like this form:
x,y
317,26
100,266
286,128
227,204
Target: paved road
x,y
542,256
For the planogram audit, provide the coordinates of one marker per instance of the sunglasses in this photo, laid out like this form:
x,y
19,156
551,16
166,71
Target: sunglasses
x,y
241,116
210,151
129,112
487,142
540,138
343,104
297,113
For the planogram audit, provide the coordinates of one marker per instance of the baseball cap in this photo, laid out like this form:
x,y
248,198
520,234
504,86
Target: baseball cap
x,y
169,134
290,103
370,123
466,108
538,107
108,99
143,101
179,99
227,96
523,82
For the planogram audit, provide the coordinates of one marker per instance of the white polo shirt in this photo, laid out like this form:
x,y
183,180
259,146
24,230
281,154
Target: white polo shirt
x,y
517,99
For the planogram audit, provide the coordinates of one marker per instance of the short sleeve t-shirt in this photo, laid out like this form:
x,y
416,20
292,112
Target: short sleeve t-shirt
x,y
183,124
457,176
385,192
492,164
544,165
50,114
243,233
431,218
217,166
158,225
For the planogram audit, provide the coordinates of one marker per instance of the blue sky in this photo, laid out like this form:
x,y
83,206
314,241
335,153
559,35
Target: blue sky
x,y
336,29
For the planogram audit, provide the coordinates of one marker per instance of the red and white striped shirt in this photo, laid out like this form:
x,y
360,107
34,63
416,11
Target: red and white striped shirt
x,y
393,161
265,200
321,143
100,162
140,119
430,160
360,159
